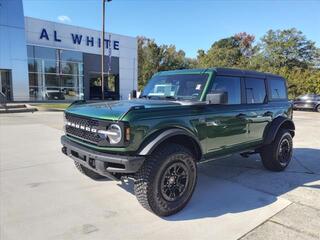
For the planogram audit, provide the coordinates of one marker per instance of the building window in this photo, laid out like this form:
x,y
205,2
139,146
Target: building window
x,y
55,74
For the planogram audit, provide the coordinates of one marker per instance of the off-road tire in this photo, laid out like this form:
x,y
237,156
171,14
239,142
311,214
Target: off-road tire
x,y
89,173
271,154
149,179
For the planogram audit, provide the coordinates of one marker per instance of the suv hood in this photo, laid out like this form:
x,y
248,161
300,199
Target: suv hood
x,y
115,110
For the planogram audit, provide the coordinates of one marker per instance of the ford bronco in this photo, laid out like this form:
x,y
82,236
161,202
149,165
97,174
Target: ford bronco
x,y
181,118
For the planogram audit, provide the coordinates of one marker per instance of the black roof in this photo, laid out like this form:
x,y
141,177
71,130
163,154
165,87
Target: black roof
x,y
225,72
243,73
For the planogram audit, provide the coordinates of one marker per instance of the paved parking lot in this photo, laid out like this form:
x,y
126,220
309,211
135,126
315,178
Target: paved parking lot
x,y
44,197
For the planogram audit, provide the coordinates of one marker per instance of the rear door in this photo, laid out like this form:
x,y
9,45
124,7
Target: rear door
x,y
258,112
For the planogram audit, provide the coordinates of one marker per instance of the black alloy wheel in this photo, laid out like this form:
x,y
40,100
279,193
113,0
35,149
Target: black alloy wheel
x,y
174,181
284,152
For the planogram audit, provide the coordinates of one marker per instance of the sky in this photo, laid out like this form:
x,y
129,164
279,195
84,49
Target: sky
x,y
190,25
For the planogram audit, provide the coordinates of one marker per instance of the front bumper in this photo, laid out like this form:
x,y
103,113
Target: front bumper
x,y
102,163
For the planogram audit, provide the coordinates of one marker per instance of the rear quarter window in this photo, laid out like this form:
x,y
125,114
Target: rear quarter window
x,y
277,88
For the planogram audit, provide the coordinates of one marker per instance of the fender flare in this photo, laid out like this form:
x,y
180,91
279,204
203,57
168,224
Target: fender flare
x,y
152,144
274,126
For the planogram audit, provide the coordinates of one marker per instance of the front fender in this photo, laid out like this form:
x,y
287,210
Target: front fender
x,y
159,137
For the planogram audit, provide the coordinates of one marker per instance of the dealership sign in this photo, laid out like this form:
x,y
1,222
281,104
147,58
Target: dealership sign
x,y
78,39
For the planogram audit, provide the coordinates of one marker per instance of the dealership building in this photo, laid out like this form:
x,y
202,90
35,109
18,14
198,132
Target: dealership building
x,y
49,61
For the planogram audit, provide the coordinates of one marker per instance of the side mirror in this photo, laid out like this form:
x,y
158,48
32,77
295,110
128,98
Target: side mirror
x,y
217,97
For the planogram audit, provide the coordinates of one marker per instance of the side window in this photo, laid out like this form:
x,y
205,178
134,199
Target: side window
x,y
277,89
255,90
231,85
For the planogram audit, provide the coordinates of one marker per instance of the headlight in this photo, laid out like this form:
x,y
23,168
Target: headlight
x,y
114,133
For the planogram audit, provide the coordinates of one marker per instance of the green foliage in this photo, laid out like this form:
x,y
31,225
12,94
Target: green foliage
x,y
234,51
285,52
288,48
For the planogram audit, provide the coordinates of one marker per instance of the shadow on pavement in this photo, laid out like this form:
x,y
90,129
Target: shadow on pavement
x,y
237,184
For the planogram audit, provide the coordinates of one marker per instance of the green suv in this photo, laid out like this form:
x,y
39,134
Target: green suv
x,y
180,119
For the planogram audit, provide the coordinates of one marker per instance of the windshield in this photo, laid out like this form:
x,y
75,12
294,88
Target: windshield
x,y
178,86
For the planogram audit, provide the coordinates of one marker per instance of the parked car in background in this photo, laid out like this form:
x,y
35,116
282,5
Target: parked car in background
x,y
308,101
54,94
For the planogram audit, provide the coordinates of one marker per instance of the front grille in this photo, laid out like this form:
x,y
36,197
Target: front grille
x,y
87,123
87,136
82,120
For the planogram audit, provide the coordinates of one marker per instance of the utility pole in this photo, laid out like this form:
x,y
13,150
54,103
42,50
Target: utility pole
x,y
102,55
103,46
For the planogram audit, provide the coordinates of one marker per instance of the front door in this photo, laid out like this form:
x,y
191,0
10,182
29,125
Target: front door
x,y
226,129
226,125
5,83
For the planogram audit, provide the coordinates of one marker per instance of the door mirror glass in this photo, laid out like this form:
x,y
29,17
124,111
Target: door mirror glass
x,y
217,97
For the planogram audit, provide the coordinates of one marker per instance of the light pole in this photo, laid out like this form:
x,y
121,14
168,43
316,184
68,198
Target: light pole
x,y
103,46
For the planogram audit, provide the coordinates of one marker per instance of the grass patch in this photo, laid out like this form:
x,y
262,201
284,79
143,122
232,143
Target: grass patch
x,y
61,106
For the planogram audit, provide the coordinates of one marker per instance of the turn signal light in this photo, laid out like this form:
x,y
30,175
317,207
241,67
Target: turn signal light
x,y
127,134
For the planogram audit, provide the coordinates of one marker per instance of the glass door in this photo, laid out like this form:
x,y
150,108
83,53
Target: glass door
x,y
5,83
111,86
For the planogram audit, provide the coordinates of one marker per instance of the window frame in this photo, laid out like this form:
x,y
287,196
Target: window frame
x,y
270,99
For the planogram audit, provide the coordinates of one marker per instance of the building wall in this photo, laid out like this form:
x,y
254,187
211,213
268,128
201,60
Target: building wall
x,y
13,50
63,36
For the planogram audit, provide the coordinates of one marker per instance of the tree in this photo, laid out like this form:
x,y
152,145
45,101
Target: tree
x,y
284,52
288,48
228,52
149,57
154,58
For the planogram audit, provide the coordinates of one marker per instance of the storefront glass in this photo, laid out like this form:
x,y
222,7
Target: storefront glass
x,y
55,74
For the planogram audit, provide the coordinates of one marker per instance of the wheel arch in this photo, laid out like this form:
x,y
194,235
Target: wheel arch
x,y
172,135
277,124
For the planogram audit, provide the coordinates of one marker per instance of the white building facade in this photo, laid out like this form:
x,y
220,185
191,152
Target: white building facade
x,y
63,62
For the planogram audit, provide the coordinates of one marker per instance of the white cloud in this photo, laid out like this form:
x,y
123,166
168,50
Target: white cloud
x,y
64,19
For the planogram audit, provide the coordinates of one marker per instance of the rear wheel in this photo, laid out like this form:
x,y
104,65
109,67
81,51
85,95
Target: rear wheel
x,y
166,181
277,155
86,171
318,108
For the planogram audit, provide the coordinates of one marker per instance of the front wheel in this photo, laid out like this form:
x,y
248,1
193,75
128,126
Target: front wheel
x,y
318,108
166,181
277,155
